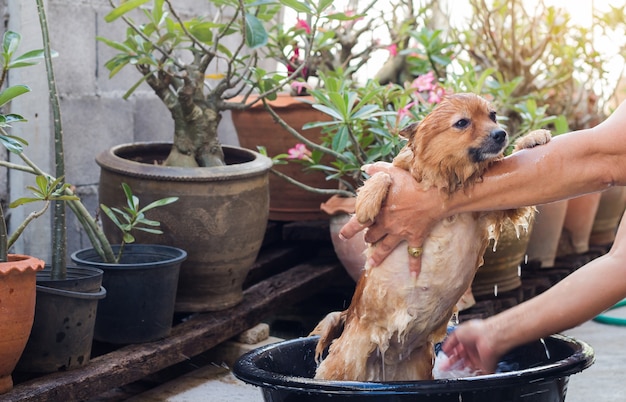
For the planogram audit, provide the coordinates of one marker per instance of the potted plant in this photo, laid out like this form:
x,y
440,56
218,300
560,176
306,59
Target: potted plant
x,y
68,297
142,280
317,39
18,272
222,210
363,125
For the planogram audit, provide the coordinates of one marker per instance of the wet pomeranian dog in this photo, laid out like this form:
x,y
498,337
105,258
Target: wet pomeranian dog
x,y
389,330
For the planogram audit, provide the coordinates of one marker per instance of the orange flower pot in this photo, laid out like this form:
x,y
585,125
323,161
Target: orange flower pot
x,y
18,279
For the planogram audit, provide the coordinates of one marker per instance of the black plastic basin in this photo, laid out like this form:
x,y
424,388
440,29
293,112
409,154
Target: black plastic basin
x,y
537,372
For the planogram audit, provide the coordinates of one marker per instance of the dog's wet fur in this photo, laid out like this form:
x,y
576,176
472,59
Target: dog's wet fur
x,y
389,330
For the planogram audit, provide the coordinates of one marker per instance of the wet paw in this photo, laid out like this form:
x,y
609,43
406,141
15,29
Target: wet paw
x,y
371,196
532,139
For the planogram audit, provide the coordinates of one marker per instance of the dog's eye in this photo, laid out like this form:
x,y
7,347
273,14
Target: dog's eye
x,y
462,123
492,116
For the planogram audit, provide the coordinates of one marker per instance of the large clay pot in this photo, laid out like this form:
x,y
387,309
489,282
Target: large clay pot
x,y
501,270
255,127
219,219
544,238
608,216
581,212
18,279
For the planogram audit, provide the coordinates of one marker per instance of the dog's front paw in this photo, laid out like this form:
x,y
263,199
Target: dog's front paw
x,y
532,139
371,196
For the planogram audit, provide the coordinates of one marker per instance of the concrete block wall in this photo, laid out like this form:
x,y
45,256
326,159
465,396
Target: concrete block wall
x,y
94,115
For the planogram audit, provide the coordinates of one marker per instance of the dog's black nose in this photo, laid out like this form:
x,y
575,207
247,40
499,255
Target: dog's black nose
x,y
499,135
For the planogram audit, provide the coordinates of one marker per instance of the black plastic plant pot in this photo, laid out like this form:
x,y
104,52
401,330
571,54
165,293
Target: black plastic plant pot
x,y
139,306
537,372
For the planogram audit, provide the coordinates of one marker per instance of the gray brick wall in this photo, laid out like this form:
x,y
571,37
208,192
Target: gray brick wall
x,y
94,115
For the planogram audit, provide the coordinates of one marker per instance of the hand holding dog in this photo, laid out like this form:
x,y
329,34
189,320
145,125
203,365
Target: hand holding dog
x,y
408,215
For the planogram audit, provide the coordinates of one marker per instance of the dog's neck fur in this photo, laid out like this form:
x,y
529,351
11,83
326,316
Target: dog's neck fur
x,y
448,177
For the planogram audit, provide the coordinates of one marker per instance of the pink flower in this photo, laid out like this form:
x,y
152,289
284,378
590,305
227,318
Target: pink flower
x,y
299,151
393,49
435,95
302,24
424,82
405,111
299,86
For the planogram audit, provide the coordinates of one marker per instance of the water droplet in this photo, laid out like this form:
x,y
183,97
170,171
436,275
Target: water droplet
x,y
545,347
495,290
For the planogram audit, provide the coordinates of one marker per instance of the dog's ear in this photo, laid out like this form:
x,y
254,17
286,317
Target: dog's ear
x,y
409,131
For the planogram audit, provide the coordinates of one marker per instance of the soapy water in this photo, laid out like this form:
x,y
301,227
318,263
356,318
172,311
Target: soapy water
x,y
457,370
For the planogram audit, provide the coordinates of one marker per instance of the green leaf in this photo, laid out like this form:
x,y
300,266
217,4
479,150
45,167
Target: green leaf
x,y
159,203
23,200
297,5
328,110
12,92
30,58
256,35
123,9
12,143
150,230
203,31
10,41
128,238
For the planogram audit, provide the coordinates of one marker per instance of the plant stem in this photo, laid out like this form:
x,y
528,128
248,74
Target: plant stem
x,y
302,138
59,233
31,217
329,191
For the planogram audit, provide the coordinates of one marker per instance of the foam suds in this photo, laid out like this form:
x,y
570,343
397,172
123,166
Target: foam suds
x,y
458,370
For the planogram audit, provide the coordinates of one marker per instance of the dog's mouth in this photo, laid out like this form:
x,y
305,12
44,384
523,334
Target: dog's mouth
x,y
491,147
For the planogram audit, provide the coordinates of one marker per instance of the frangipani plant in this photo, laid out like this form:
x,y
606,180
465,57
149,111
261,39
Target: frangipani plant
x,y
365,126
190,67
132,217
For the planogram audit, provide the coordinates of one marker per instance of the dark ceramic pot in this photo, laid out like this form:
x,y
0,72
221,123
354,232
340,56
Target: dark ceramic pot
x,y
219,218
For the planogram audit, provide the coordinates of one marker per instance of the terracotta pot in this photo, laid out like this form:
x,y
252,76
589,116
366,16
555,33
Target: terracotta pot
x,y
544,239
219,219
18,278
255,127
581,212
608,216
350,252
501,270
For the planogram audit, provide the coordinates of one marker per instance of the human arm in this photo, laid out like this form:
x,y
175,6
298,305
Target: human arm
x,y
579,297
571,164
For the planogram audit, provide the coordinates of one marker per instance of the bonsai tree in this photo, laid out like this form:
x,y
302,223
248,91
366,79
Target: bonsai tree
x,y
173,56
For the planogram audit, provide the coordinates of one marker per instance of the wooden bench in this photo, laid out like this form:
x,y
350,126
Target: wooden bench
x,y
285,272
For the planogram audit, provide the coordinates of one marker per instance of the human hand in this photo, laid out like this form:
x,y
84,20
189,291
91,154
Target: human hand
x,y
408,213
471,344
